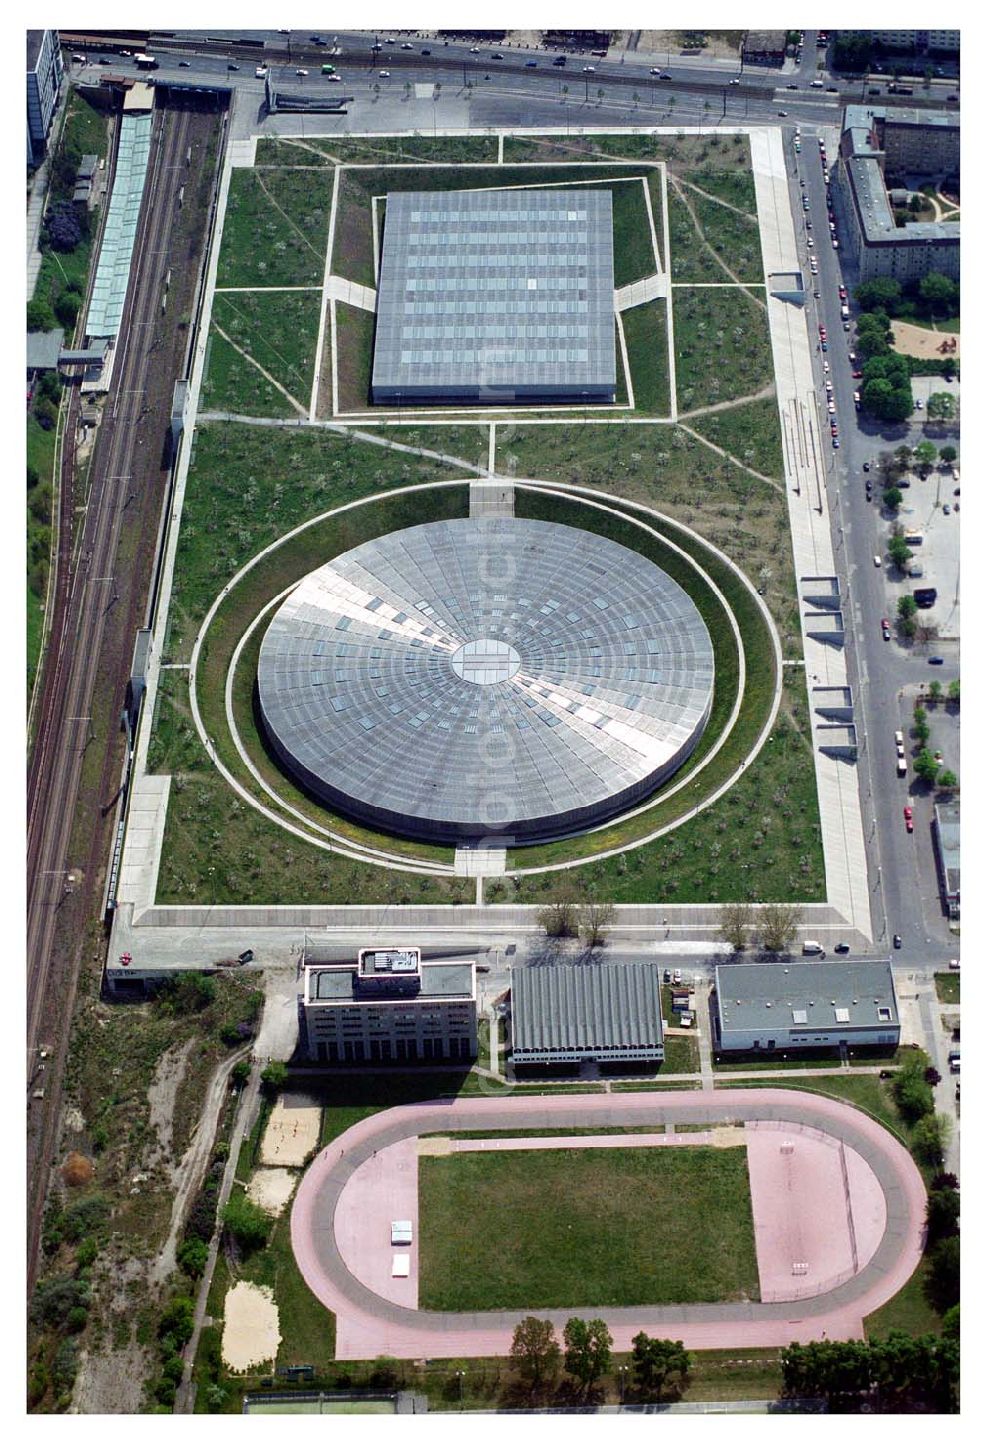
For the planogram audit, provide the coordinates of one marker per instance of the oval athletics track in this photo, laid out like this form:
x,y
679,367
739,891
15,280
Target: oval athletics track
x,y
369,1324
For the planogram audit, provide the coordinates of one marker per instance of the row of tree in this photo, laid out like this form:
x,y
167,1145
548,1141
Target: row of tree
x,y
656,1367
562,918
933,297
769,926
900,1373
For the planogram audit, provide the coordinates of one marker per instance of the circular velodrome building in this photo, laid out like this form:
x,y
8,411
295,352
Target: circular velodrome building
x,y
469,678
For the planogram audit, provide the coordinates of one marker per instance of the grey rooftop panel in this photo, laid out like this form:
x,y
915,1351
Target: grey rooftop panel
x,y
496,295
465,702
567,1008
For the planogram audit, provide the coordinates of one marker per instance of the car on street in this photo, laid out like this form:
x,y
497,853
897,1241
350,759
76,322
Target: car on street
x,y
908,818
497,56
884,623
886,634
334,77
936,661
261,72
232,66
878,560
842,293
954,964
842,948
474,50
184,64
836,244
531,64
866,467
589,69
425,52
654,70
384,75
836,443
302,72
868,490
406,45
823,346
946,509
735,80
857,375
897,942
782,113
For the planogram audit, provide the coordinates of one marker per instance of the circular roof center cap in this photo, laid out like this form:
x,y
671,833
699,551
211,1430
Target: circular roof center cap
x,y
485,661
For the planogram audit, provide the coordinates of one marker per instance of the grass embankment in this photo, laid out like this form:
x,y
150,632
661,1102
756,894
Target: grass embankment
x,y
355,351
667,468
649,364
722,346
575,1236
704,154
216,846
387,150
751,433
276,228
278,330
352,250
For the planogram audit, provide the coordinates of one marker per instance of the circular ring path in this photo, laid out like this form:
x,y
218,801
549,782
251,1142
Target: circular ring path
x,y
369,1325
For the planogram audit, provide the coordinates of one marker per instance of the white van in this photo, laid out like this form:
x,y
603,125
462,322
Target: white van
x,y
810,945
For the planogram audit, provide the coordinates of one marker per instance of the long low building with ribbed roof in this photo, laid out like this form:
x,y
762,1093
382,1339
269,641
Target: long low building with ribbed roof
x,y
576,1013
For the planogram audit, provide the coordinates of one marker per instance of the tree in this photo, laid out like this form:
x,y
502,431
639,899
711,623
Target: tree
x,y
655,1363
899,552
249,1226
939,292
735,923
947,779
950,1326
534,1352
941,407
926,767
943,1282
913,1095
240,1073
63,228
588,1351
881,292
67,307
934,691
561,917
906,606
595,920
39,315
926,455
192,992
930,1138
948,454
192,1256
778,922
944,1207
274,1077
177,1320
955,690
893,498
886,402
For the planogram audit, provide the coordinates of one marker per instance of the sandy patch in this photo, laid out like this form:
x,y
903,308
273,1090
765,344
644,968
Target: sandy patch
x,y
162,1095
250,1334
292,1133
272,1189
434,1147
919,341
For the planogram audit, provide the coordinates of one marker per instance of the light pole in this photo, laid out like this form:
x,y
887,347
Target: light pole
x,y
460,1375
622,1373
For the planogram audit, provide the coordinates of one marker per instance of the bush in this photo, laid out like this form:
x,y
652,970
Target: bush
x,y
943,1210
84,1216
64,1367
201,1220
177,1319
76,1319
274,1077
56,1298
914,1096
63,228
240,1073
173,1369
943,1275
86,1254
930,1138
45,413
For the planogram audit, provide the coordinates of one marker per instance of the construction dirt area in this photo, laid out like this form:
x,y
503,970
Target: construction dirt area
x,y
250,1333
926,344
292,1132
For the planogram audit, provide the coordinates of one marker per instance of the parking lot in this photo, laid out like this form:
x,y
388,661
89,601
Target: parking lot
x,y
923,512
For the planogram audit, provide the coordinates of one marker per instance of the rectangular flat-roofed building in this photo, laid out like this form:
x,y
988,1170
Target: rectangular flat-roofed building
x,y
568,1013
389,1007
496,297
44,73
774,1007
948,851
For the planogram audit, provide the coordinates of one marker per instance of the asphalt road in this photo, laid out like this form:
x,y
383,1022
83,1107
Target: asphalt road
x,y
901,865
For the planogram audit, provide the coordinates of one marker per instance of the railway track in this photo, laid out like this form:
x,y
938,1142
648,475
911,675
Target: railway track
x,y
100,597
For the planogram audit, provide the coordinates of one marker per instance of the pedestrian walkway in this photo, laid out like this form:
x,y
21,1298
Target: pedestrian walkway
x,y
837,779
639,292
351,292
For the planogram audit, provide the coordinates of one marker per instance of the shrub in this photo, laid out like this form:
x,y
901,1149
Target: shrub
x,y
248,1224
86,1254
913,1095
177,1319
943,1276
84,1216
192,1256
274,1077
56,1298
63,228
40,316
67,307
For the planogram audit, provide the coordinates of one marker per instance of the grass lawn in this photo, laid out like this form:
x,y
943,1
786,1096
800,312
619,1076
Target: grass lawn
x,y
646,339
352,252
574,1237
308,1328
276,228
908,1310
706,155
866,1090
734,238
949,987
722,347
751,433
680,1055
248,485
279,331
396,150
355,350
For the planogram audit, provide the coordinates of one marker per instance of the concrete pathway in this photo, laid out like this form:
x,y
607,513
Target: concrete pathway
x,y
837,779
639,292
368,1326
352,293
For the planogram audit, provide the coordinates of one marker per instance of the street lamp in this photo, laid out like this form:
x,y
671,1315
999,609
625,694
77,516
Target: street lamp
x,y
622,1372
460,1376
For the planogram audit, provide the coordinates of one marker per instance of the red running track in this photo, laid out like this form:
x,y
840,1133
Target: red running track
x,y
862,1191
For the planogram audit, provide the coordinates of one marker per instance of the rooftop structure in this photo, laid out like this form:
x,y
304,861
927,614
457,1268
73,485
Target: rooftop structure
x,y
43,348
568,1013
496,296
44,73
770,1006
402,686
765,47
389,1006
947,847
115,261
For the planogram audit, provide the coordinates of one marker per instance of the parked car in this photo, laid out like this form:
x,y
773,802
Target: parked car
x,y
842,948
908,818
897,941
936,661
866,467
878,561
954,965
